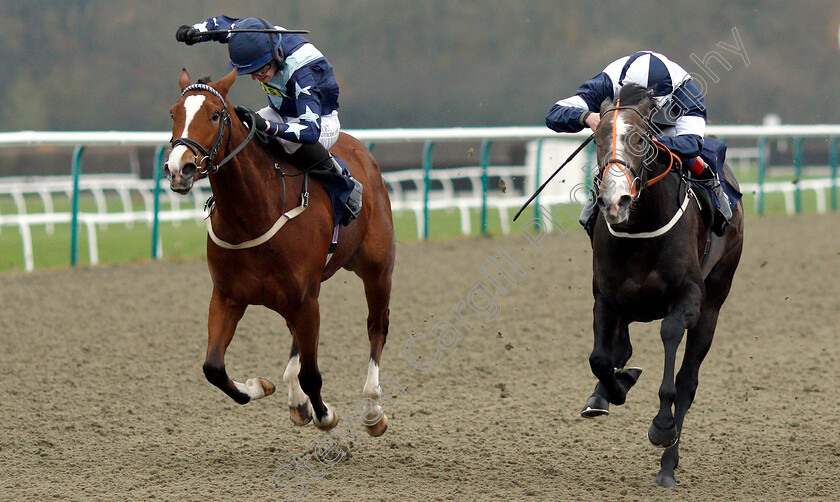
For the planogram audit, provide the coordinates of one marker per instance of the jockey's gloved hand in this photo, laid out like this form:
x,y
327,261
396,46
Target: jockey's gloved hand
x,y
260,124
243,113
187,34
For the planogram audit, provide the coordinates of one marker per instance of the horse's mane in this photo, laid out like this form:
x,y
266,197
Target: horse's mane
x,y
635,94
204,80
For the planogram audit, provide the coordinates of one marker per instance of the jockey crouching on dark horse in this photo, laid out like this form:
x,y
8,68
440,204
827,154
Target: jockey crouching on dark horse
x,y
302,111
678,123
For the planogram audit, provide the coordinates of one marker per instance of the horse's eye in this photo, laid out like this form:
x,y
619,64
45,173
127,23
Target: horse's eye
x,y
216,116
171,115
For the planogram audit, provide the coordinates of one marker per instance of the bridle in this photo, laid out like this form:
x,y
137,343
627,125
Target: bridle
x,y
211,168
224,123
632,177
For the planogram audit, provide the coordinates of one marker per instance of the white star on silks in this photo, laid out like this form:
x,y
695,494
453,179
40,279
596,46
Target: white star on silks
x,y
295,128
309,116
301,90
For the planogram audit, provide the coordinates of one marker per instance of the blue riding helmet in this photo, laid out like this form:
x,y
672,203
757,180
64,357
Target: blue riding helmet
x,y
251,51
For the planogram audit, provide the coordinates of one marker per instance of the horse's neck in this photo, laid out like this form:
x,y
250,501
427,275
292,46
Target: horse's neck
x,y
247,188
657,204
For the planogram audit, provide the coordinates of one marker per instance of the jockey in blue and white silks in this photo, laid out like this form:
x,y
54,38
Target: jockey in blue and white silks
x,y
302,90
682,116
302,111
680,121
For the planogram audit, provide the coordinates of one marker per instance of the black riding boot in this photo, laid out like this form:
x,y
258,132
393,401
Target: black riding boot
x,y
723,213
315,156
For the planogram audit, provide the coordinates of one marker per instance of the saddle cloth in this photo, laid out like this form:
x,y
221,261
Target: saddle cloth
x,y
338,188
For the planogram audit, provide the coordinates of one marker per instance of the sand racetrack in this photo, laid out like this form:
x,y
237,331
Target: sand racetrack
x,y
103,396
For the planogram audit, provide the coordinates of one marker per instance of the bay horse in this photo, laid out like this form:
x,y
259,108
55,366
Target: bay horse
x,y
253,261
654,257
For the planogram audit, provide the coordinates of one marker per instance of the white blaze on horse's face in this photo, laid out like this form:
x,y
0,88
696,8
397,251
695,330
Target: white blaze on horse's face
x,y
615,193
179,178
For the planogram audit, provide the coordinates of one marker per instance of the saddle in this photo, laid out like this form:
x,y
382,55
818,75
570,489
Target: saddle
x,y
338,186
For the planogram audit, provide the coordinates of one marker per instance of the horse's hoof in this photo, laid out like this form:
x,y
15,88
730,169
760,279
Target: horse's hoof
x,y
329,425
267,386
629,375
664,438
255,388
595,407
301,415
665,480
378,428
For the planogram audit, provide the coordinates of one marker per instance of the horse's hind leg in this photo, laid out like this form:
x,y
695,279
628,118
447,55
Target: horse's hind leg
x,y
377,280
304,323
698,342
221,325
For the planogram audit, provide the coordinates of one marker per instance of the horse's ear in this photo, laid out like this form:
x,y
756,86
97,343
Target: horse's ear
x,y
227,81
606,103
184,79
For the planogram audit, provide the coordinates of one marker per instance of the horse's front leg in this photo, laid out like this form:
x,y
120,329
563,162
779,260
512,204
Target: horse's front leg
x,y
664,431
611,352
224,316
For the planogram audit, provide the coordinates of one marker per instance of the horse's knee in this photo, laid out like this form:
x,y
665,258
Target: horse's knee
x,y
215,373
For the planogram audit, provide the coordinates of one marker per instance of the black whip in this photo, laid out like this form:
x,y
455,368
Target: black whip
x,y
540,189
249,30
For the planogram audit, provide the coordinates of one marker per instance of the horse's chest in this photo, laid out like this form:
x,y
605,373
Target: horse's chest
x,y
638,291
649,287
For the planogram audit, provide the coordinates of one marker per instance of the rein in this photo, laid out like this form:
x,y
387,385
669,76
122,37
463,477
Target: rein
x,y
622,164
628,171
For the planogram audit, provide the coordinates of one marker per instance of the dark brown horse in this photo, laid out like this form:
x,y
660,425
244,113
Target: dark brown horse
x,y
253,261
654,257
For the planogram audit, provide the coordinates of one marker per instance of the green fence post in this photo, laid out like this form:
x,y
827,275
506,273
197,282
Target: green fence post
x,y
76,168
485,150
797,165
427,167
156,222
369,145
537,185
762,166
832,150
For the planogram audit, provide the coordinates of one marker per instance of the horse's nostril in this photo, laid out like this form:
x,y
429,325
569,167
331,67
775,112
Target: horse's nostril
x,y
188,170
624,200
166,171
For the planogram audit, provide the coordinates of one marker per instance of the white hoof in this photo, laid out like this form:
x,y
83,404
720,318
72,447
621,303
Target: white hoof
x,y
256,388
330,419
